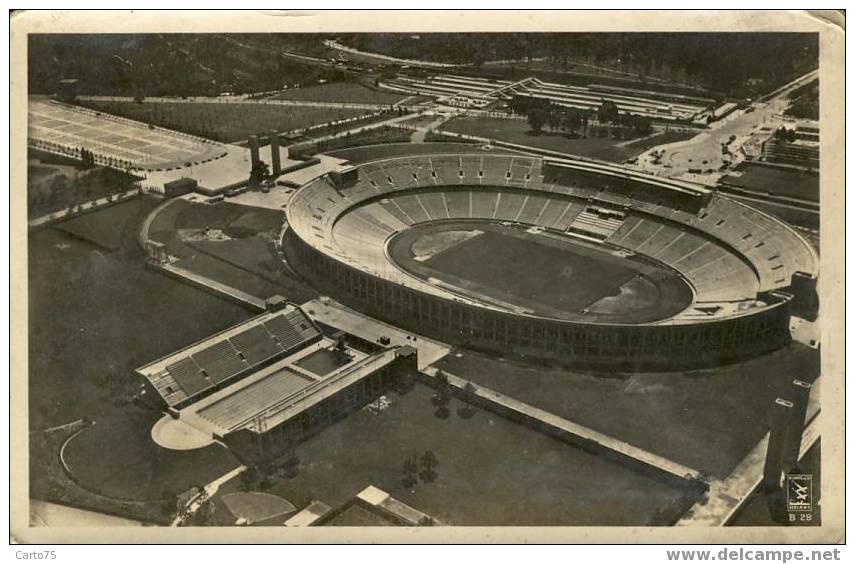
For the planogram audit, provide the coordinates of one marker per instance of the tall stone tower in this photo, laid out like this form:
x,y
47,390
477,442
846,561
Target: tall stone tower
x,y
253,150
274,152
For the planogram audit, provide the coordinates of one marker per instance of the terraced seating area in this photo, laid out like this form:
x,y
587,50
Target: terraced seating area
x,y
188,375
224,357
256,345
697,241
220,361
592,222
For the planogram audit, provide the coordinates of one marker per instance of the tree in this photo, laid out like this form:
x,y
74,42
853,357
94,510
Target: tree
x,y
608,112
409,469
168,503
442,396
468,410
536,118
553,120
429,465
259,173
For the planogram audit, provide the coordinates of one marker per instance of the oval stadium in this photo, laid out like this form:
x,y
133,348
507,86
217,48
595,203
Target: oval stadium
x,y
572,261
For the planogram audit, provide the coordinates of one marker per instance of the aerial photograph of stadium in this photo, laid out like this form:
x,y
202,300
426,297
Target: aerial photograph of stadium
x,y
423,279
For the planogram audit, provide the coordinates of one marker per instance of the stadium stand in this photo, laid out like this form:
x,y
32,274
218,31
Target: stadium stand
x,y
206,366
726,251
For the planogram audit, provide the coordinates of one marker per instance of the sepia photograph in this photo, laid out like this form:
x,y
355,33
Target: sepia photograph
x,y
449,273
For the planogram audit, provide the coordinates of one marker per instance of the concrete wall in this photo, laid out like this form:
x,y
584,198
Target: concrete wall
x,y
623,347
254,448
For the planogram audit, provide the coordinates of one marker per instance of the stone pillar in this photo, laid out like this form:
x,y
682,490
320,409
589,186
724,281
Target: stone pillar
x,y
799,393
253,150
773,469
274,152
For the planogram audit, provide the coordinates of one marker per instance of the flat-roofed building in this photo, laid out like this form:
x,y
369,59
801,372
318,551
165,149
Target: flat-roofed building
x,y
267,383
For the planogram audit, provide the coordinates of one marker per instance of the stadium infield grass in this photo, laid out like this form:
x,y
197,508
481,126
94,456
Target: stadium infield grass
x,y
556,278
508,264
490,471
706,419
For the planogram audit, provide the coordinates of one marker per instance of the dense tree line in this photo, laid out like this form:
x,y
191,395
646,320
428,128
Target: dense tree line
x,y
542,113
737,64
164,64
804,101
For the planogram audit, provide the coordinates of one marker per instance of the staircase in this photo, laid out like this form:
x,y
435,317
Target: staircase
x,y
593,222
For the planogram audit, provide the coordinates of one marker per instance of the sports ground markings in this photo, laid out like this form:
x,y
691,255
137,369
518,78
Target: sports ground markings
x,y
431,245
119,138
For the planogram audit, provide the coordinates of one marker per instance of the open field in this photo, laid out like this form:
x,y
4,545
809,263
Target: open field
x,y
140,469
548,276
376,135
518,131
423,120
775,181
491,471
345,92
52,483
226,122
706,419
244,260
95,315
109,231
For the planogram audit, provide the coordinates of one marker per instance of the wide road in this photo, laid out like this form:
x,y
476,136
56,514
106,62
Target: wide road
x,y
704,151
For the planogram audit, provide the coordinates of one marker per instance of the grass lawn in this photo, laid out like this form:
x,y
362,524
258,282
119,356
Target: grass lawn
x,y
94,316
345,92
705,419
137,467
421,121
51,483
551,277
225,122
518,131
249,265
777,181
246,262
109,228
518,266
234,219
491,471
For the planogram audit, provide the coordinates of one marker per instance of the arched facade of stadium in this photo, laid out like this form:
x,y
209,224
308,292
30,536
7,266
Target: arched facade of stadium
x,y
746,270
